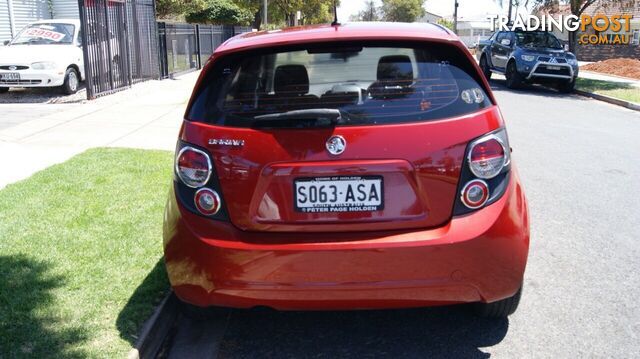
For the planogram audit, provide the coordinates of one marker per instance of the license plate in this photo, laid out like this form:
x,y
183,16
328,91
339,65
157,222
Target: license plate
x,y
11,76
554,68
339,194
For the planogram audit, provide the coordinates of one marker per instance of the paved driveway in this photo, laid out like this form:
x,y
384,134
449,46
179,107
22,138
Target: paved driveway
x,y
579,160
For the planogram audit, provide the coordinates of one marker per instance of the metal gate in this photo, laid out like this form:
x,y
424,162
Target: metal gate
x,y
186,47
209,38
179,51
119,43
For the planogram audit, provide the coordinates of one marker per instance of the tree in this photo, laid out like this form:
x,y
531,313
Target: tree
x,y
446,23
176,8
312,11
244,12
255,7
220,12
370,13
402,10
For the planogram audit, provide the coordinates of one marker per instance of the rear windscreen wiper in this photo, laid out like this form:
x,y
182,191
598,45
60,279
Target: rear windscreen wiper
x,y
333,115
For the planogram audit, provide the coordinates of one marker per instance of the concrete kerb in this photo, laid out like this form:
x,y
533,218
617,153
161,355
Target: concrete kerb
x,y
156,329
611,100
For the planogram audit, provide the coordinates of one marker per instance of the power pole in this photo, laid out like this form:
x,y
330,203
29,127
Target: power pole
x,y
510,9
264,13
455,17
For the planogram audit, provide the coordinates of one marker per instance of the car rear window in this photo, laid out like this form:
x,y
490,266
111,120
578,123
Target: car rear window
x,y
339,85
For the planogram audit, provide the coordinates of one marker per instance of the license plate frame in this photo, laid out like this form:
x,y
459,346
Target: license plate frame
x,y
10,76
373,196
554,68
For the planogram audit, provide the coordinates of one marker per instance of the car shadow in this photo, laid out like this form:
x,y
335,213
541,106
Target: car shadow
x,y
428,332
142,303
26,327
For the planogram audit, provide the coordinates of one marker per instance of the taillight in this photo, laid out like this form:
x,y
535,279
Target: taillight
x,y
487,157
207,201
485,174
475,194
193,167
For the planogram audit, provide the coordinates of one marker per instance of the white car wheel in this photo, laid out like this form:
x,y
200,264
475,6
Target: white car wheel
x,y
71,82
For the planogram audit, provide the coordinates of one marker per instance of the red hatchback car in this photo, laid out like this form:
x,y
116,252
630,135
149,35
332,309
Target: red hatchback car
x,y
345,167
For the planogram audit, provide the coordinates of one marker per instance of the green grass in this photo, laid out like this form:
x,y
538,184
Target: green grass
x,y
80,255
619,90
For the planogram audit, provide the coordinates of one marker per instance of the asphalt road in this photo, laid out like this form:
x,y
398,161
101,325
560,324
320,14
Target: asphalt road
x,y
579,161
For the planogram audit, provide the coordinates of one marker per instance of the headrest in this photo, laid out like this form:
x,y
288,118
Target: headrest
x,y
395,67
291,79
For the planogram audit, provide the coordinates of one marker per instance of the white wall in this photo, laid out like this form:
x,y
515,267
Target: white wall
x,y
65,9
26,11
5,24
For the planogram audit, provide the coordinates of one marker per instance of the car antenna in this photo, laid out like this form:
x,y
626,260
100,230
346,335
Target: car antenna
x,y
335,15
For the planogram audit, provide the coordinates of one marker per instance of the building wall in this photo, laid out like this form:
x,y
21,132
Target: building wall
x,y
65,9
5,24
605,52
472,32
431,18
26,11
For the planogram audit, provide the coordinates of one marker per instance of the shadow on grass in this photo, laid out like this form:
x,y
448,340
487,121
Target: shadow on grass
x,y
27,327
142,303
448,332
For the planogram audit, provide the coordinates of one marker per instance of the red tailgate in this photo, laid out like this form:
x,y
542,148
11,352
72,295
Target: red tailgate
x,y
419,164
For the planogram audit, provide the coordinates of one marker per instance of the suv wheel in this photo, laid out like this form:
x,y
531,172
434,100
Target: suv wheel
x,y
514,80
484,65
567,86
4,89
71,82
500,309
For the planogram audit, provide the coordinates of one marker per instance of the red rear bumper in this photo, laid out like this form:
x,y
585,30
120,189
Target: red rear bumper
x,y
478,257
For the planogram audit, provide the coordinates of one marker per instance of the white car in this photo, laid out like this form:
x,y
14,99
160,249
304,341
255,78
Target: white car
x,y
45,53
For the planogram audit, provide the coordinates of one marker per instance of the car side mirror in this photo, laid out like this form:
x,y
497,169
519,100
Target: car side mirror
x,y
6,42
505,42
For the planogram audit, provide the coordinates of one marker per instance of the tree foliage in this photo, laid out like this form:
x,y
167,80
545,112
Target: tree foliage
x,y
220,12
247,12
446,23
176,8
255,8
311,11
370,13
402,10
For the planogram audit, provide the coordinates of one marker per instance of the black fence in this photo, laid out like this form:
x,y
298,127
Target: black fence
x,y
144,42
186,47
123,44
209,38
119,42
178,49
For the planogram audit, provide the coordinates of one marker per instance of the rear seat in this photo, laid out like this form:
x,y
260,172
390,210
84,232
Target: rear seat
x,y
291,90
